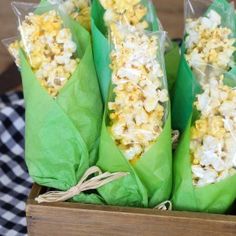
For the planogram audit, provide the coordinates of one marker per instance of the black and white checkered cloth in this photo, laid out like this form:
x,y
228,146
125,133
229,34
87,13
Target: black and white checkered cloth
x,y
15,182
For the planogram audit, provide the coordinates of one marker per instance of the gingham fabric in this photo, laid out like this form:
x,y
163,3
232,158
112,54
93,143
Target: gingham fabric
x,y
15,182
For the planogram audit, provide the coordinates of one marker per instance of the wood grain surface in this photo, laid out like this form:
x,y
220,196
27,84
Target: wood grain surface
x,y
72,219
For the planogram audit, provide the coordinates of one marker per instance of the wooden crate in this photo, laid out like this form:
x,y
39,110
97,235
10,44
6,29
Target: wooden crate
x,y
87,220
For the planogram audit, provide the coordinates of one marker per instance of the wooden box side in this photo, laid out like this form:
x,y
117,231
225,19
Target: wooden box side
x,y
87,220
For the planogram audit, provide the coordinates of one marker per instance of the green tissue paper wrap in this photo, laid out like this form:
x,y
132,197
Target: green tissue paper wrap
x,y
186,86
150,179
101,47
62,134
214,198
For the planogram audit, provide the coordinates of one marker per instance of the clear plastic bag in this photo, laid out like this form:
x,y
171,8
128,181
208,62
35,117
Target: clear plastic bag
x,y
198,8
47,41
78,10
168,43
209,40
210,33
195,8
138,85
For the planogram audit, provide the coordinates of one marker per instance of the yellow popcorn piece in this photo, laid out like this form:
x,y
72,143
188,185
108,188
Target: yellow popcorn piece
x,y
134,160
201,127
195,162
49,48
216,126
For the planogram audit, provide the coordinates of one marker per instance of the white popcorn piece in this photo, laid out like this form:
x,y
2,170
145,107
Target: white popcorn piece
x,y
133,151
198,171
129,73
150,103
214,17
109,16
207,23
192,38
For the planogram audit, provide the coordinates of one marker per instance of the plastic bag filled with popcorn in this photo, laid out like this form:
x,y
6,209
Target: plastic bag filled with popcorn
x,y
138,13
136,132
209,39
205,160
78,10
62,97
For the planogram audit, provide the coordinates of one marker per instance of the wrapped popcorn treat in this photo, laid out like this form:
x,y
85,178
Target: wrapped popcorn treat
x,y
203,110
136,135
204,166
209,41
62,97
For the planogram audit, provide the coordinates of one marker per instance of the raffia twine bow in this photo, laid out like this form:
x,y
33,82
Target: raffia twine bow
x,y
83,185
164,206
89,184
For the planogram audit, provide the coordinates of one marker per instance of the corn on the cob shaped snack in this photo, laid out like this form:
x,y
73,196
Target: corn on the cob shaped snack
x,y
62,131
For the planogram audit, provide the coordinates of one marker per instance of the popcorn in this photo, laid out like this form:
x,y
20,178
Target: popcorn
x,y
125,11
213,136
49,48
14,51
137,112
207,42
79,10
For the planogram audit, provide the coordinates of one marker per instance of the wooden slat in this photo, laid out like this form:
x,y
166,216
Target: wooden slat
x,y
87,220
